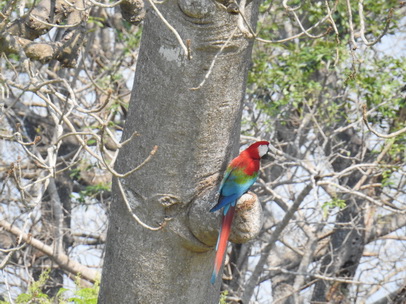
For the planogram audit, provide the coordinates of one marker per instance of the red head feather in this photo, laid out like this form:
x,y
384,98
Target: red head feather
x,y
254,150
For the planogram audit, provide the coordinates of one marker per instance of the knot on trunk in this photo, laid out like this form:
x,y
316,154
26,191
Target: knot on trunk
x,y
247,222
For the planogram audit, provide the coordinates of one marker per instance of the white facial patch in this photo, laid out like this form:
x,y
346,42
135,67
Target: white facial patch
x,y
262,150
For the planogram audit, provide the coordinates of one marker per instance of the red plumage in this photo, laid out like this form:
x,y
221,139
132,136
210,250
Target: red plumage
x,y
249,159
253,151
222,242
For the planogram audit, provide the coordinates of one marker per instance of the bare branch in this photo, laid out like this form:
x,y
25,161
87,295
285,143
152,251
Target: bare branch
x,y
135,217
352,33
60,258
391,135
252,281
362,24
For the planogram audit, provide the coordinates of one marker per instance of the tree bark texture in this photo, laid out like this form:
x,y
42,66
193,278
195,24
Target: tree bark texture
x,y
197,133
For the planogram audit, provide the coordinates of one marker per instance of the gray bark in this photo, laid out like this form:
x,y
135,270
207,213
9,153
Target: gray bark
x,y
197,133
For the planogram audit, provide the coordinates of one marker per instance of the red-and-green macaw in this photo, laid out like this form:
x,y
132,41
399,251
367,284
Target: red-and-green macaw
x,y
240,175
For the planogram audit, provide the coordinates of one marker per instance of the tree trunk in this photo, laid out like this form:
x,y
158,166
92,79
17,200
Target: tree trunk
x,y
196,132
348,240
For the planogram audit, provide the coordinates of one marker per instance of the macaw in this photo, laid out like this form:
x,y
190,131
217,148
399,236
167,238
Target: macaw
x,y
240,175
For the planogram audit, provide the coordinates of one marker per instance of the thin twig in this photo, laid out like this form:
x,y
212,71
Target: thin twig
x,y
252,281
10,252
74,6
114,172
171,28
53,24
330,16
135,217
352,34
295,36
106,5
306,32
391,135
84,145
362,24
214,60
317,276
361,195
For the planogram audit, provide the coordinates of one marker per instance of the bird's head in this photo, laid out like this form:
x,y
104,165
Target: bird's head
x,y
258,150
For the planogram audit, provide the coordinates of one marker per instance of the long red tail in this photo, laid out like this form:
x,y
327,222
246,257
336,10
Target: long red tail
x,y
222,242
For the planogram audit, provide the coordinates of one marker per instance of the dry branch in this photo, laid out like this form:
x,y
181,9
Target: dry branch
x,y
60,258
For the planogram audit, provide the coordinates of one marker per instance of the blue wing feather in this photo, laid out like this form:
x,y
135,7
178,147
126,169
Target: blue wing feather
x,y
231,190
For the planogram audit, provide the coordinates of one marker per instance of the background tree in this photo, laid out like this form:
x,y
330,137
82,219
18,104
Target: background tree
x,y
55,185
321,89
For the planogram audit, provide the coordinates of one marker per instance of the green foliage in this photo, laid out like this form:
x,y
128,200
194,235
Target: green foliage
x,y
93,190
12,58
89,191
130,39
36,295
223,297
86,295
75,174
334,203
386,175
378,82
323,75
290,80
91,142
398,149
98,21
